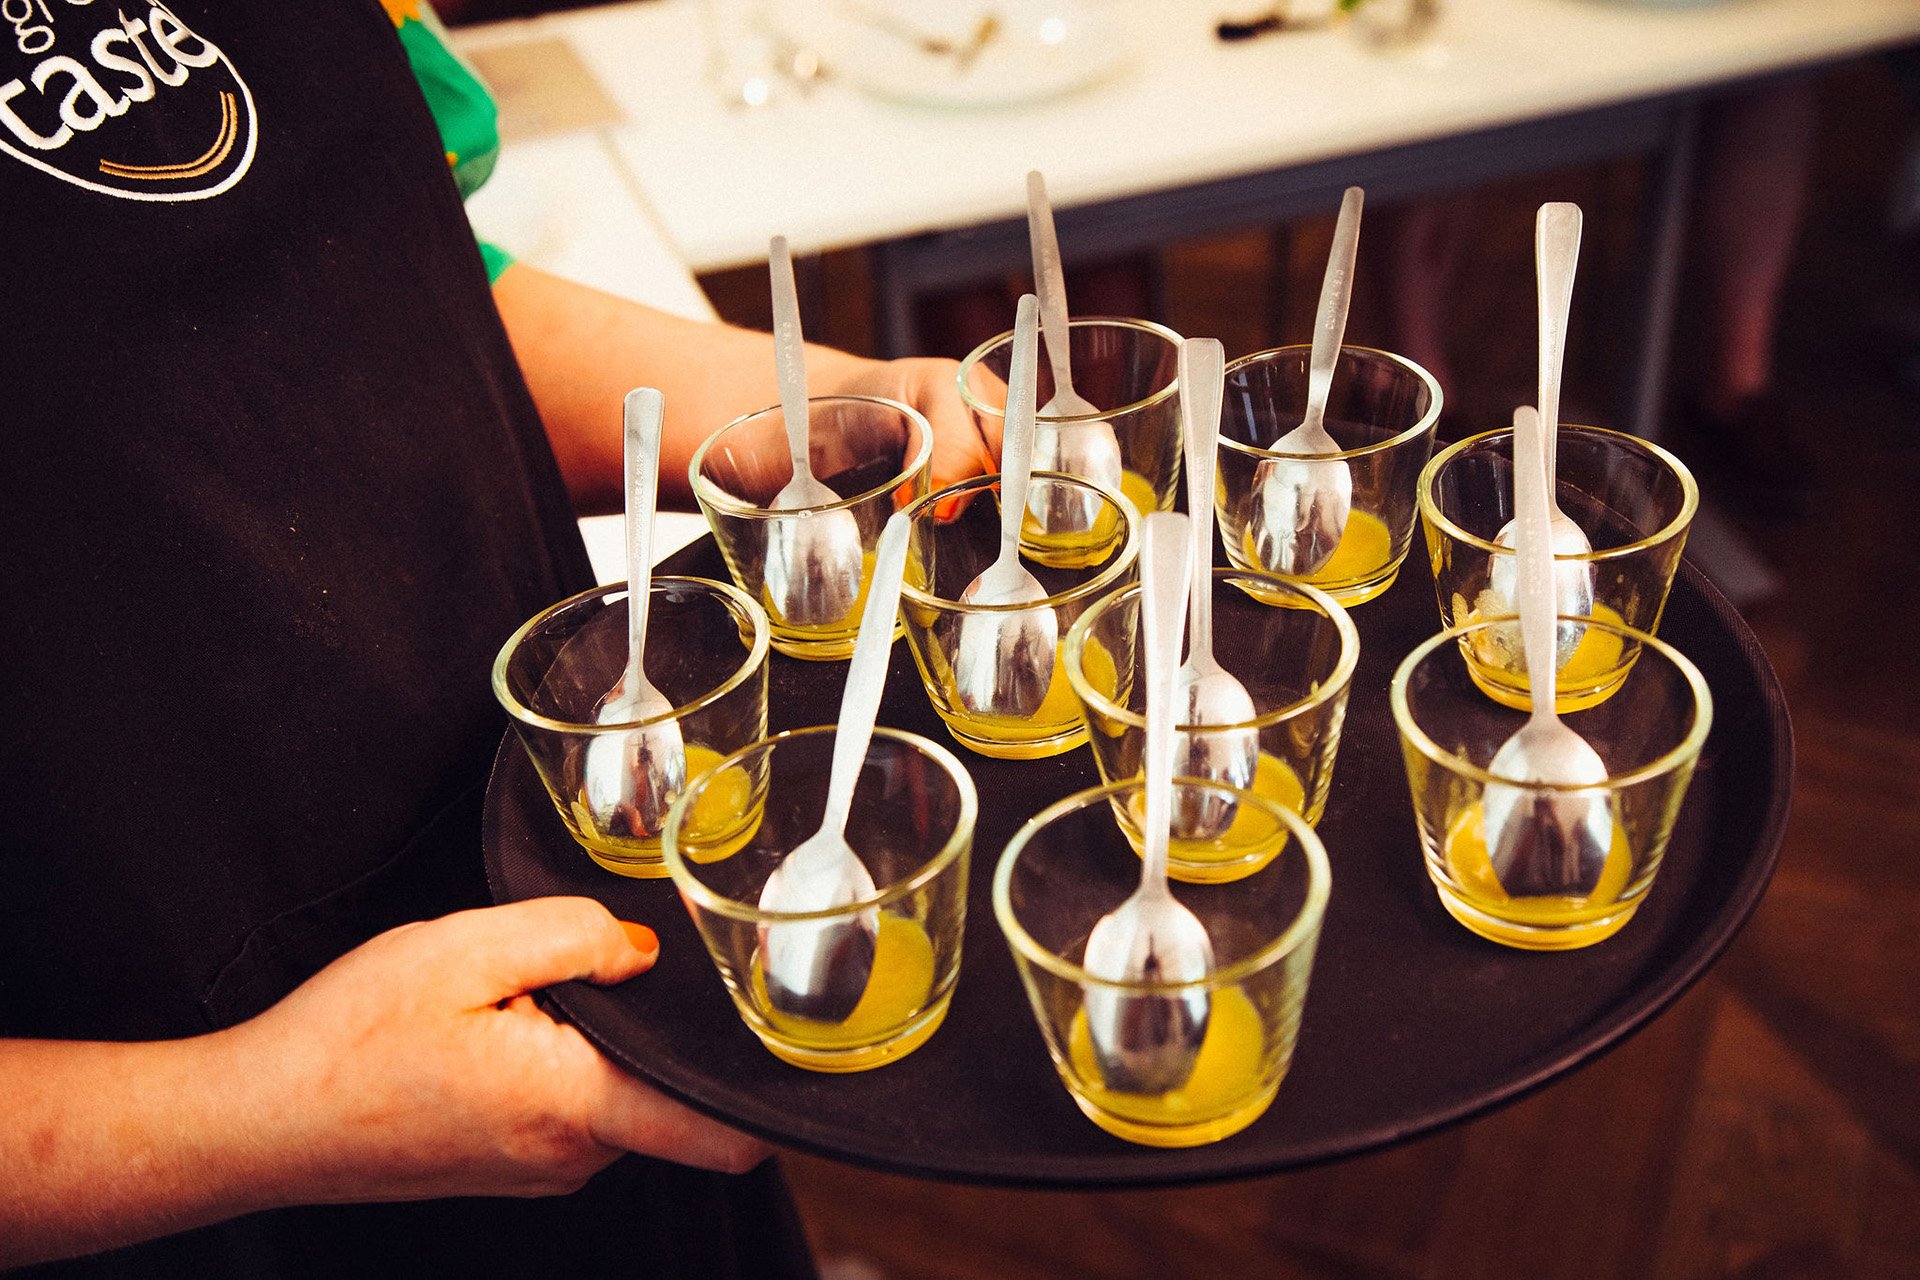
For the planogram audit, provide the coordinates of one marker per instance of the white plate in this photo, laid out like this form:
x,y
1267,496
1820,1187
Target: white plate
x,y
910,52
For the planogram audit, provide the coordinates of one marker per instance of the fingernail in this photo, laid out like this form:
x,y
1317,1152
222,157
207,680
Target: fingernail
x,y
642,938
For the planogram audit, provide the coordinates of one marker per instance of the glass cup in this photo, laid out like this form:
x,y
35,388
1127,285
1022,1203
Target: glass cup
x,y
1633,500
911,823
1648,734
706,653
1296,664
1129,369
1382,410
1071,865
876,454
943,557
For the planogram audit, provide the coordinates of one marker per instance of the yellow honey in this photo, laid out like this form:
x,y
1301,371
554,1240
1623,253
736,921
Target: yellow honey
x,y
721,821
897,992
1540,921
1229,1088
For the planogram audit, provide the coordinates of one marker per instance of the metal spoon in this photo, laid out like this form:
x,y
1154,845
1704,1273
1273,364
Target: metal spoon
x,y
1204,691
1551,842
814,559
1148,1043
1556,251
934,45
631,778
819,968
1003,661
1085,449
1298,509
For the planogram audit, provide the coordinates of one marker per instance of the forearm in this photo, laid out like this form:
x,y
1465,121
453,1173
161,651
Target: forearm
x,y
582,350
108,1144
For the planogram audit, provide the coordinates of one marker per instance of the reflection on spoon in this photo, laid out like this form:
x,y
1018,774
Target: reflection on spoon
x,y
1087,449
1543,841
815,558
1206,693
1556,251
819,968
1148,1044
630,778
1298,508
1003,660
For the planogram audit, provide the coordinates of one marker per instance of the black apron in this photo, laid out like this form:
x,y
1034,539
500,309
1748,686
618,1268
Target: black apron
x,y
273,496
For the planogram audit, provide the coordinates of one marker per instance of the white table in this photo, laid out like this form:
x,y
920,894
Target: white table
x,y
1194,135
838,168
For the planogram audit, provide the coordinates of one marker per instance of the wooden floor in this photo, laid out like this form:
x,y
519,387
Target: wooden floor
x,y
1767,1126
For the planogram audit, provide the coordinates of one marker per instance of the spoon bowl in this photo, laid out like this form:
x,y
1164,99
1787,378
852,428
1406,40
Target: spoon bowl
x,y
1087,449
1299,506
1205,693
1004,657
1572,590
1148,1043
631,778
1548,822
819,969
814,560
1547,842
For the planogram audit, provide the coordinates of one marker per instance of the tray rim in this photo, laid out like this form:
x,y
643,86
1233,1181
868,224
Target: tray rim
x,y
575,1001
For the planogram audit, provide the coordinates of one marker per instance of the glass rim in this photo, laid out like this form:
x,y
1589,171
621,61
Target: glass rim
x,y
756,656
710,494
1689,495
1341,678
1427,421
1305,923
719,904
1122,561
1673,758
979,353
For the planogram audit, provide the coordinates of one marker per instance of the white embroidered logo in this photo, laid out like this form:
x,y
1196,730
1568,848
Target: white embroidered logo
x,y
137,107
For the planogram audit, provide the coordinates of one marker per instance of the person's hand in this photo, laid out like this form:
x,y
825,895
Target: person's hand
x,y
418,1065
932,387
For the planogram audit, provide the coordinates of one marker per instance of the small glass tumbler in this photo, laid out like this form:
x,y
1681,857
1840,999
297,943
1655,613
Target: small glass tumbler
x,y
1649,736
1382,411
944,556
1129,369
1071,865
1296,664
911,824
1632,499
706,653
875,454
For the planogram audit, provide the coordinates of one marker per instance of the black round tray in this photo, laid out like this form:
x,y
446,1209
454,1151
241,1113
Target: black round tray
x,y
1411,1022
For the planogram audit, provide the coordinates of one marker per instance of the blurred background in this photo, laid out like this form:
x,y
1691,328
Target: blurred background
x,y
1764,1127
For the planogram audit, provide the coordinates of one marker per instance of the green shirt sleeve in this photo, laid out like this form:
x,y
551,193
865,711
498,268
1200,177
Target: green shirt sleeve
x,y
463,109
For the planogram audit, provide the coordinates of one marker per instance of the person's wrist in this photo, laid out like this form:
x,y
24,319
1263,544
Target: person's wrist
x,y
253,1123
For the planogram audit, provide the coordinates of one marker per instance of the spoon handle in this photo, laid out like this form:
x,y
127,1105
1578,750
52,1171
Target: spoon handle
x,y
1051,280
1203,363
1016,444
643,411
1556,253
1533,545
1336,294
867,672
789,356
1164,562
